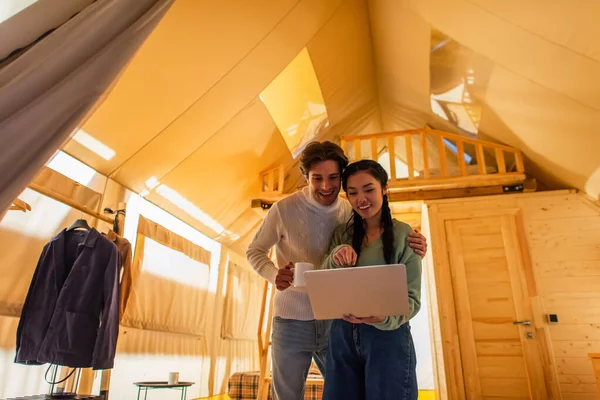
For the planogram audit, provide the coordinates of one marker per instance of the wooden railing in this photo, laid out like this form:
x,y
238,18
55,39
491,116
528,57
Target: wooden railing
x,y
496,164
271,182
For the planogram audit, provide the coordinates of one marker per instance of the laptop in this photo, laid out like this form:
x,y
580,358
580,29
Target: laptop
x,y
379,290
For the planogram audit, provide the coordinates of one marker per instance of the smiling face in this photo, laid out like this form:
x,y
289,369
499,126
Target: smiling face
x,y
365,194
324,181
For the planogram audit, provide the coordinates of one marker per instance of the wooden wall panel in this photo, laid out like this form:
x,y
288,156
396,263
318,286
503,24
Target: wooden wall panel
x,y
562,231
564,235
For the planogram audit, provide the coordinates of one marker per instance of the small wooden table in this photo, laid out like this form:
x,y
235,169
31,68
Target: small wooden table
x,y
145,386
596,365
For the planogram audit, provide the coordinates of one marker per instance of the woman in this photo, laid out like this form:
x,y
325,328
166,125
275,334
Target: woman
x,y
372,357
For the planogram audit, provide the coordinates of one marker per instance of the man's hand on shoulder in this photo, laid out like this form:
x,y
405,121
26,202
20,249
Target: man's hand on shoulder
x,y
417,242
285,277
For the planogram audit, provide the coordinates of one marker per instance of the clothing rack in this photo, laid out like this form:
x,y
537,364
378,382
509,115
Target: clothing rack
x,y
117,221
63,199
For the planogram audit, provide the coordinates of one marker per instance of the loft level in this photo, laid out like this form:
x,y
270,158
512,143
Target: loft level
x,y
428,164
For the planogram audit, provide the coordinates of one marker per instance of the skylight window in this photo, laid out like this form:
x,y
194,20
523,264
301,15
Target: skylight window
x,y
94,145
458,77
296,104
190,208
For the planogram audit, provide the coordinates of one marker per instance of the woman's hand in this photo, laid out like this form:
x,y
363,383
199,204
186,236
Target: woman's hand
x,y
345,255
368,320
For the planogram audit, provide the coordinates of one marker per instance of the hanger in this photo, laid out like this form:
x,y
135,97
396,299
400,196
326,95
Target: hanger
x,y
80,223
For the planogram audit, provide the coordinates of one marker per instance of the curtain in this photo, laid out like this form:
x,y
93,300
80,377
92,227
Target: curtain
x,y
242,303
170,278
47,90
164,325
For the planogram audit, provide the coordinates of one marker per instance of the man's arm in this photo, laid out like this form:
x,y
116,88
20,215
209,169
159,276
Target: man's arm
x,y
268,235
418,242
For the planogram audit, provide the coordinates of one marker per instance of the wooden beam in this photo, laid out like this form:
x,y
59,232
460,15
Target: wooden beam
x,y
425,157
271,181
442,153
71,203
409,157
465,139
500,161
392,154
374,149
261,319
480,159
281,179
456,182
519,161
461,157
416,195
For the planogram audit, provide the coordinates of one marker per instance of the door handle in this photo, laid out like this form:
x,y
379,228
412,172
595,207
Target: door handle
x,y
524,322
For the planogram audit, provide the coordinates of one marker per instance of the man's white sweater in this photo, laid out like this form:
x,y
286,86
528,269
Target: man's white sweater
x,y
300,228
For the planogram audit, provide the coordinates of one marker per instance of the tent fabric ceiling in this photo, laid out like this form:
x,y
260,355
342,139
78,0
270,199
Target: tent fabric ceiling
x,y
187,110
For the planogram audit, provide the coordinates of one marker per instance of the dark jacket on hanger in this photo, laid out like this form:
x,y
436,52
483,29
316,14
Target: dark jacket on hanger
x,y
71,313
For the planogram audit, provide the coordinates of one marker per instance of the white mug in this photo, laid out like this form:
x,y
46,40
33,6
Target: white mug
x,y
299,269
173,378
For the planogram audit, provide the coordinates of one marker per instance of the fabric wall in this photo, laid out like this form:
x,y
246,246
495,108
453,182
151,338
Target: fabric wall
x,y
541,96
209,360
230,356
189,337
177,269
164,325
243,297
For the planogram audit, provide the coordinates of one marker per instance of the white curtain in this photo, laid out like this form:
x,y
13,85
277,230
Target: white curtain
x,y
48,88
242,303
170,279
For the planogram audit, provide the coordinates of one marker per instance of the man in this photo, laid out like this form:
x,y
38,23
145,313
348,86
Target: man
x,y
300,227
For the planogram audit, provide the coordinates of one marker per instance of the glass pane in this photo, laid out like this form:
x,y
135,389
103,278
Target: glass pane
x,y
458,79
296,104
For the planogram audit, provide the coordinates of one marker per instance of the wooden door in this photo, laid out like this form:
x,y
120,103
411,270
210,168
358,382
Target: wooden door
x,y
500,354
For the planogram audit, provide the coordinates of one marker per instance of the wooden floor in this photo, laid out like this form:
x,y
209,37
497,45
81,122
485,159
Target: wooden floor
x,y
423,395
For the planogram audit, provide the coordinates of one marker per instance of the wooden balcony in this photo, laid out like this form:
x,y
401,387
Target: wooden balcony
x,y
426,164
271,183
